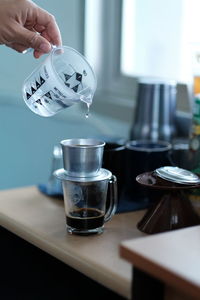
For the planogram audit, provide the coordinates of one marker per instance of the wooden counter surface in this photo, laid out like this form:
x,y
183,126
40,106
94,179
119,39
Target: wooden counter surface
x,y
173,257
40,220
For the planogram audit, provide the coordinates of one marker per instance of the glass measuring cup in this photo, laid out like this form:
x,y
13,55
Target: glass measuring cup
x,y
63,79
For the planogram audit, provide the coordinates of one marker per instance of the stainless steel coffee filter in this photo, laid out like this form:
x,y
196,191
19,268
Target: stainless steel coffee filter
x,y
82,157
103,174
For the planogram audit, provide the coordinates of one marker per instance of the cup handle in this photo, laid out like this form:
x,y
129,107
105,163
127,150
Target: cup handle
x,y
113,198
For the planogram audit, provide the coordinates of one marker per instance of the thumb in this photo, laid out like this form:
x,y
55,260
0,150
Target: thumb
x,y
31,39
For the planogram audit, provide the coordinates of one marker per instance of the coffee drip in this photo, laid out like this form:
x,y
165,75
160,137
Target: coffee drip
x,y
85,186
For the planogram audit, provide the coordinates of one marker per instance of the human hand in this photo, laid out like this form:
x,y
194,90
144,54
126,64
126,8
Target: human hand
x,y
25,25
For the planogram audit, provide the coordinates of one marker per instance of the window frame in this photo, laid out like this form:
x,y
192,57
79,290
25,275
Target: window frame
x,y
116,92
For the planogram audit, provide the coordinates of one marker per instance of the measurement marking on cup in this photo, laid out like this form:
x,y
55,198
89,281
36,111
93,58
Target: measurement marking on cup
x,y
35,87
33,90
59,92
38,85
45,72
42,80
48,94
39,101
28,95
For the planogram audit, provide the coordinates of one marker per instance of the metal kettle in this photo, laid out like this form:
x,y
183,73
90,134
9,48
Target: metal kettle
x,y
155,110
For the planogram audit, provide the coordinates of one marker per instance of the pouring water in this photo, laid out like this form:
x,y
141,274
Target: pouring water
x,y
86,97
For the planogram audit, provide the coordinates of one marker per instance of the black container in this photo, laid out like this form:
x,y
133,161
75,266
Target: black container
x,y
114,160
155,112
144,156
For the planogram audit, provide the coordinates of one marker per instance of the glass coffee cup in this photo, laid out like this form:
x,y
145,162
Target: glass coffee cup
x,y
85,201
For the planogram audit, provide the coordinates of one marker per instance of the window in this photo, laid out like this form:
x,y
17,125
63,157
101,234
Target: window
x,y
161,39
151,37
125,39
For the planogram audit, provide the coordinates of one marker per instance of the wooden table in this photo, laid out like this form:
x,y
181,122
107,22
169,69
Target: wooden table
x,y
170,259
40,220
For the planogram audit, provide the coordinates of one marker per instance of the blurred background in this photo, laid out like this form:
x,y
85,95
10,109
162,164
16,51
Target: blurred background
x,y
123,40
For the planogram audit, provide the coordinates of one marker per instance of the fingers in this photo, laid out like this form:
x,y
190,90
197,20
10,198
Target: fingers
x,y
37,54
22,49
30,39
50,27
33,28
18,47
